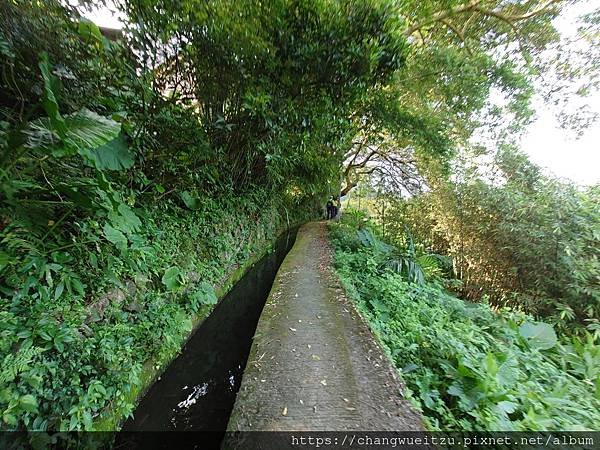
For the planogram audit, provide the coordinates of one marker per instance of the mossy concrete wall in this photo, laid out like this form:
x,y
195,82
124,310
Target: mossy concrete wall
x,y
111,419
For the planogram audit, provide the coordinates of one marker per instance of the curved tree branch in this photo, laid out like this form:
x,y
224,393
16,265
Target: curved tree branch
x,y
475,6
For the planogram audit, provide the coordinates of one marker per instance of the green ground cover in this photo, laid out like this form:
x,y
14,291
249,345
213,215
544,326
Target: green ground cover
x,y
466,366
85,328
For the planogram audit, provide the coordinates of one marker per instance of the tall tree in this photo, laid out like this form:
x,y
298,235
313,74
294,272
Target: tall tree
x,y
471,66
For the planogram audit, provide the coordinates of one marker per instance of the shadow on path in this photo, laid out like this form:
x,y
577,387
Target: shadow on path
x,y
314,364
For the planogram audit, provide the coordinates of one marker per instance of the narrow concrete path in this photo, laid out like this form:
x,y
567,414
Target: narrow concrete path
x,y
314,365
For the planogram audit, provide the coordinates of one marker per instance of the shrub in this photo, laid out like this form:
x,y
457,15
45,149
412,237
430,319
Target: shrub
x,y
467,367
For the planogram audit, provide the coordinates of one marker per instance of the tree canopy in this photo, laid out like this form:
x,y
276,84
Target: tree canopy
x,y
162,155
471,68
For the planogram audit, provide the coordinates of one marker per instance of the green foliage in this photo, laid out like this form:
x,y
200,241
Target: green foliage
x,y
85,320
190,201
467,367
203,295
413,267
102,269
538,335
112,155
134,173
115,236
48,99
522,239
172,278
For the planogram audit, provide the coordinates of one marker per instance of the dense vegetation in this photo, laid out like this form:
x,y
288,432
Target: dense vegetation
x,y
466,366
516,237
137,172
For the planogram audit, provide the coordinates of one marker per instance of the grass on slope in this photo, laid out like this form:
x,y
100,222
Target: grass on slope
x,y
466,366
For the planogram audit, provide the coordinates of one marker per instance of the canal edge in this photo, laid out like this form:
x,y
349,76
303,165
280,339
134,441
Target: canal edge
x,y
153,368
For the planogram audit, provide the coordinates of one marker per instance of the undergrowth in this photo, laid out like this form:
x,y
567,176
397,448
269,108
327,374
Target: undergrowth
x,y
467,367
78,325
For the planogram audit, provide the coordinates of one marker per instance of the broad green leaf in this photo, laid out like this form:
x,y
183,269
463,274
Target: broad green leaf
x,y
455,390
89,30
190,201
491,365
366,237
205,294
114,155
85,132
59,290
539,335
28,403
171,278
82,195
24,334
44,335
125,220
9,419
507,407
115,236
48,96
77,285
88,130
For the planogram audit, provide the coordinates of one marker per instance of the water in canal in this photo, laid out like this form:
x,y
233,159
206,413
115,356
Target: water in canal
x,y
198,389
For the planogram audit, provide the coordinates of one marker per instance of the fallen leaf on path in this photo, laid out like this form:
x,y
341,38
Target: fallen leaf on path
x,y
316,357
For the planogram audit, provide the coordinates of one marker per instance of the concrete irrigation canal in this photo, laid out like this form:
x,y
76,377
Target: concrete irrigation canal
x,y
311,363
314,364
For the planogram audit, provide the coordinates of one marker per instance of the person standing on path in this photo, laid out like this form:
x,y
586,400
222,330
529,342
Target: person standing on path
x,y
330,208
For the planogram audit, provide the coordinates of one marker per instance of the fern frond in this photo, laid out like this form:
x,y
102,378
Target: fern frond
x,y
15,363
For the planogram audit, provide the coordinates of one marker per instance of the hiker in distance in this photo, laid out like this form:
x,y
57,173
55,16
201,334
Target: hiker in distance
x,y
330,208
